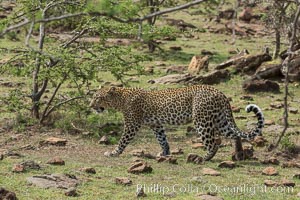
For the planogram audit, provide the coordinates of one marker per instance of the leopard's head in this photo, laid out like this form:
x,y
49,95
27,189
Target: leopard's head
x,y
103,98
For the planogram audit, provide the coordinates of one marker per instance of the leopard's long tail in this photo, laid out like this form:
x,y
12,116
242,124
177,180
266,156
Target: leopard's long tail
x,y
260,123
228,128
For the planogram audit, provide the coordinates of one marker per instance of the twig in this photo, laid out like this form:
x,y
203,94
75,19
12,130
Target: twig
x,y
29,34
61,103
82,32
16,26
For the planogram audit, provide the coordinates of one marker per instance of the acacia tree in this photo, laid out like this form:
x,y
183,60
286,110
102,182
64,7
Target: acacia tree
x,y
52,63
50,66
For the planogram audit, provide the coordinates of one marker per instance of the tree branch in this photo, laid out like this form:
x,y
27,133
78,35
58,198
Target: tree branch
x,y
61,103
16,26
29,34
82,32
168,10
158,13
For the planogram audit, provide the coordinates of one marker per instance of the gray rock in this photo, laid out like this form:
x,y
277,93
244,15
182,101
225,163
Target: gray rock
x,y
53,181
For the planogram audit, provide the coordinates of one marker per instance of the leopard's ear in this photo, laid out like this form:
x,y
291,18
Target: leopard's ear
x,y
100,87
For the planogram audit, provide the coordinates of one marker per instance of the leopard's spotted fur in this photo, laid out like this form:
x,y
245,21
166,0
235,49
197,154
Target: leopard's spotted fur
x,y
207,107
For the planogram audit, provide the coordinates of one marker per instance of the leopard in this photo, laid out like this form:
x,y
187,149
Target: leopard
x,y
203,105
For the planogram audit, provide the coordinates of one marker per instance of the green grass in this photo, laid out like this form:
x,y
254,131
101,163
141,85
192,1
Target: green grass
x,y
102,186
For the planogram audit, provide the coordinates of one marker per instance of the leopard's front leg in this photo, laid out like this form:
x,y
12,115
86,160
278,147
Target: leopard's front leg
x,y
130,130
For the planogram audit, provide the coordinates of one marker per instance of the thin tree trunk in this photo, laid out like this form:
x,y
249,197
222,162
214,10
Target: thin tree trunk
x,y
277,45
35,75
151,21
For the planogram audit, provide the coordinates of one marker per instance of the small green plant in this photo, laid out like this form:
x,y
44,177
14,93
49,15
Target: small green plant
x,y
287,144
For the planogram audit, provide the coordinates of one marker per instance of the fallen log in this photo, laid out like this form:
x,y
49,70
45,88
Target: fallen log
x,y
213,77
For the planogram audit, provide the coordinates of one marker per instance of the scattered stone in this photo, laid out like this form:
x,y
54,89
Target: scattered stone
x,y
176,69
271,160
104,140
276,105
180,24
71,192
227,164
209,197
293,110
149,70
12,154
288,183
56,161
7,195
28,147
30,164
197,179
246,15
177,151
290,164
270,183
140,167
206,52
298,195
175,48
140,192
142,154
17,137
211,172
247,97
123,181
170,195
62,181
18,168
260,85
197,64
268,70
194,158
89,170
297,176
270,171
235,109
269,122
168,159
227,14
197,145
54,141
259,141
